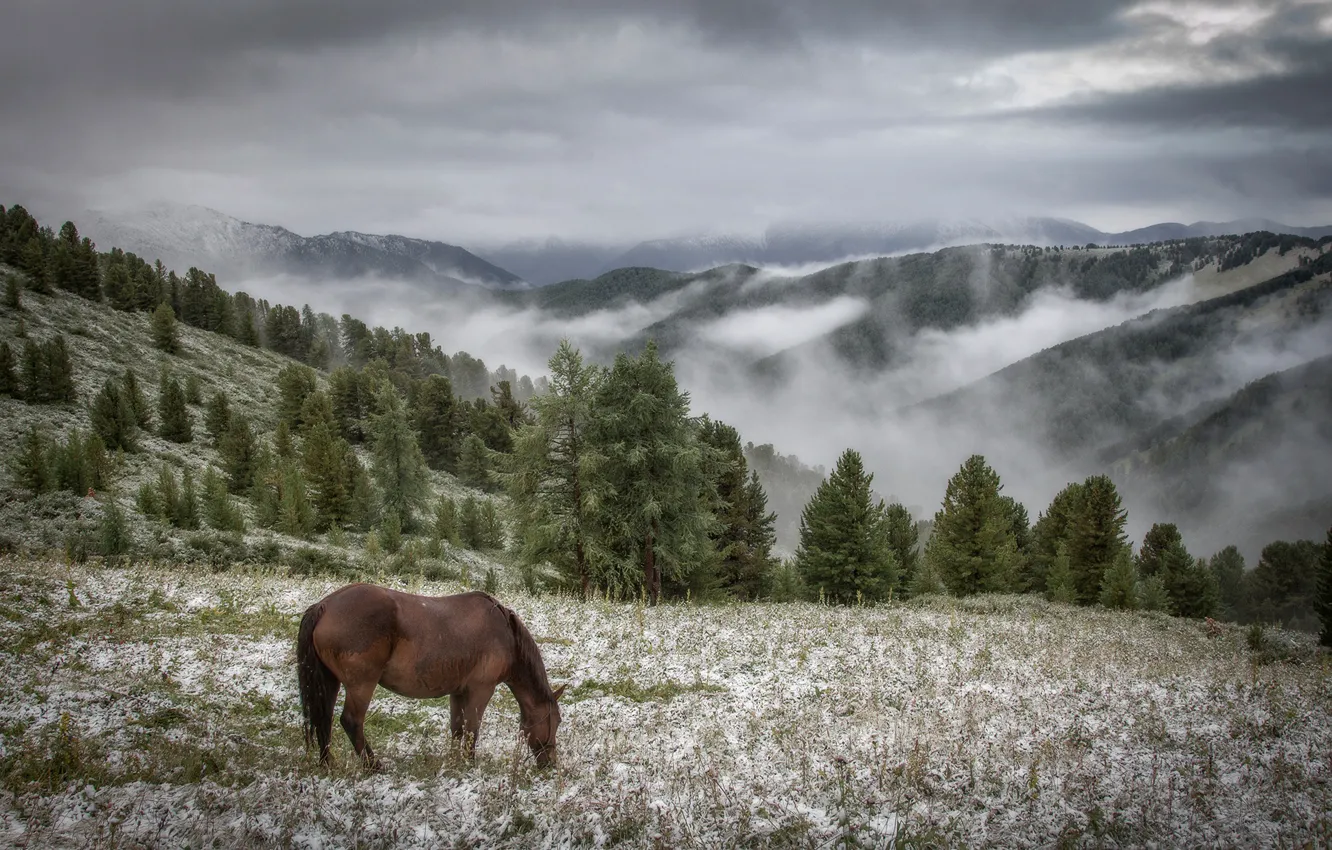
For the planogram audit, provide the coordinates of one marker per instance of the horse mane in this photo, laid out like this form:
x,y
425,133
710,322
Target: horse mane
x,y
531,669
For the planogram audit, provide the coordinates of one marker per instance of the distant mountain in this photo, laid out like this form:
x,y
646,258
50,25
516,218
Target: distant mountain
x,y
803,245
184,236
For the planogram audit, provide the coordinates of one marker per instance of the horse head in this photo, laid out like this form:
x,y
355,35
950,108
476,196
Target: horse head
x,y
539,724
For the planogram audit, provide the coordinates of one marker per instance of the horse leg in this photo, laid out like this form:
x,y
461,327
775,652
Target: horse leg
x,y
474,704
354,707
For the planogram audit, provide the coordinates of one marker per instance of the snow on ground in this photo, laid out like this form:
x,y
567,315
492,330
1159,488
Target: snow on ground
x,y
156,707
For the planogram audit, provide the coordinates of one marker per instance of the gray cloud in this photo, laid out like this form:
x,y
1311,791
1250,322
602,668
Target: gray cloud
x,y
484,121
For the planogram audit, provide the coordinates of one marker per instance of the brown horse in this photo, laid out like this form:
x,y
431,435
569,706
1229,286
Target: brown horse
x,y
422,647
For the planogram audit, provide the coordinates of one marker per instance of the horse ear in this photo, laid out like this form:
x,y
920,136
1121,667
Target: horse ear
x,y
559,692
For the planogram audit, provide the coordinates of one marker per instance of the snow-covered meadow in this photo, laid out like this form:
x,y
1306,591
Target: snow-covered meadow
x,y
156,707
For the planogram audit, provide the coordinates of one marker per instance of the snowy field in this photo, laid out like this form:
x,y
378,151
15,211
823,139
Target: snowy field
x,y
147,707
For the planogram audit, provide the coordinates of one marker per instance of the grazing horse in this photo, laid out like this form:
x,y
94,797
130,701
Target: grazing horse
x,y
421,647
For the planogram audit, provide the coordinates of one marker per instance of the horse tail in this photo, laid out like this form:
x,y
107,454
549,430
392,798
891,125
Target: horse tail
x,y
319,687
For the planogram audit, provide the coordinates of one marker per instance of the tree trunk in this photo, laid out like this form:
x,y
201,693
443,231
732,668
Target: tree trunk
x,y
651,577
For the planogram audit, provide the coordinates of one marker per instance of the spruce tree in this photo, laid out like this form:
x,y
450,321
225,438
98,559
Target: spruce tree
x,y
1052,528
926,581
973,547
390,533
238,451
1227,568
1119,584
1152,595
193,389
1095,536
1060,585
1158,540
31,466
328,463
116,543
217,417
187,507
138,402
33,373
903,538
9,382
1189,584
435,413
492,530
295,383
743,533
70,464
166,336
283,445
13,293
654,519
474,463
59,371
172,412
295,513
113,418
446,521
552,480
1323,592
99,465
399,468
469,523
843,552
219,511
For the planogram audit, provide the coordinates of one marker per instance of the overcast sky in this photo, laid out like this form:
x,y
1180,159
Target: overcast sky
x,y
488,120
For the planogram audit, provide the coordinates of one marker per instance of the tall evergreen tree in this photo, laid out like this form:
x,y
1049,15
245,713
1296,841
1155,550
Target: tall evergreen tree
x,y
1323,597
113,418
138,402
9,382
743,534
469,523
329,463
166,337
436,417
655,515
474,463
1095,536
31,466
399,468
973,546
552,480
13,293
1119,584
59,371
217,417
295,383
1189,584
35,379
903,537
1228,569
1158,540
1052,528
446,521
239,454
843,551
172,412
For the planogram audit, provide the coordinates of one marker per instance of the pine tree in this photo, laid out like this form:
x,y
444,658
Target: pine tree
x,y
1095,536
31,466
193,389
113,418
59,371
238,452
1152,595
843,551
283,445
13,293
116,541
903,537
329,465
446,521
99,465
34,377
654,519
1323,592
69,464
1118,585
1060,585
295,513
9,382
469,523
1051,528
350,393
399,468
138,402
1158,540
219,511
172,412
295,383
474,463
973,547
492,530
187,507
435,413
1227,568
166,336
743,536
1189,584
217,417
390,533
926,581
